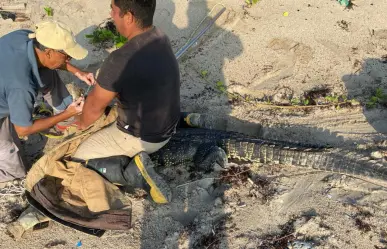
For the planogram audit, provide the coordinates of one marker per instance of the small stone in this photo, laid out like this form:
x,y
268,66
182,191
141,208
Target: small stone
x,y
361,146
251,245
242,204
355,102
228,210
217,168
218,202
376,155
282,97
300,245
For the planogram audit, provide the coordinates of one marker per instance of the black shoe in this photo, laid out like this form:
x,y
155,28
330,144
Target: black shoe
x,y
141,172
136,173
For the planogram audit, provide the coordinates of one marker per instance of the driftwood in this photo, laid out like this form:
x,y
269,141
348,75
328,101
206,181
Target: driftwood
x,y
13,7
16,17
14,11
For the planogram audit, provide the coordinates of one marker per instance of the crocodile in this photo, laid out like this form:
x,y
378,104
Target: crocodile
x,y
204,148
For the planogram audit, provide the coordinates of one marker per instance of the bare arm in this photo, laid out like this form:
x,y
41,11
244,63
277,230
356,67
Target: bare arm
x,y
72,69
46,123
42,124
95,104
88,78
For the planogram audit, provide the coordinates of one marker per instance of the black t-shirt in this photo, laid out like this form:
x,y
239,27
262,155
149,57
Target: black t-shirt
x,y
145,74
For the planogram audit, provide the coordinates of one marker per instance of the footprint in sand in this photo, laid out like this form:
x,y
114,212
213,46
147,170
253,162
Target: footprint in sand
x,y
380,34
290,53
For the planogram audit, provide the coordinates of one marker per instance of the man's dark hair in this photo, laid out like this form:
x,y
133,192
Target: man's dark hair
x,y
142,10
39,46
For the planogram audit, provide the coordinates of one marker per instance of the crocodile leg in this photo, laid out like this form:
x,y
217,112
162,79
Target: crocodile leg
x,y
208,156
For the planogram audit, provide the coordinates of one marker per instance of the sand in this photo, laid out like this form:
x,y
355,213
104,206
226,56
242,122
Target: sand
x,y
272,58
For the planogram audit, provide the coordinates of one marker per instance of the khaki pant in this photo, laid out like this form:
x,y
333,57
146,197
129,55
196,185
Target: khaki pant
x,y
111,141
12,161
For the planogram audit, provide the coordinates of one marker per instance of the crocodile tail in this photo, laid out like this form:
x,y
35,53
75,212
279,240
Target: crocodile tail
x,y
337,161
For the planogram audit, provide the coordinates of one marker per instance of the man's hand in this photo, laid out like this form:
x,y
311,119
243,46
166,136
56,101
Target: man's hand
x,y
88,78
76,107
42,124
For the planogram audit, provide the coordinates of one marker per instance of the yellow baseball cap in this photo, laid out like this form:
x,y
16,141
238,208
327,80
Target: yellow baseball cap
x,y
56,35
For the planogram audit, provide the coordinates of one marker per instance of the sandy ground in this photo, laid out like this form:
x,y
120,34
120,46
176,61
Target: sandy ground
x,y
262,53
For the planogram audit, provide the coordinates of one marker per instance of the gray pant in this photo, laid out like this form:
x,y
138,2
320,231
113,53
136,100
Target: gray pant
x,y
12,160
11,154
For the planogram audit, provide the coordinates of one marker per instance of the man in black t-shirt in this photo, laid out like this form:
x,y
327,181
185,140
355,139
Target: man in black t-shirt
x,y
144,77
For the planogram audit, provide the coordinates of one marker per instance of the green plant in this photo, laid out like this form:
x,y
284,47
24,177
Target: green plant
x,y
101,36
377,98
251,2
49,11
295,101
332,99
221,87
248,98
204,73
305,102
298,101
119,40
345,3
339,99
372,102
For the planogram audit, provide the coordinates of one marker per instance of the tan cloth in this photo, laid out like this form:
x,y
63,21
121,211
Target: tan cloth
x,y
46,194
111,141
82,190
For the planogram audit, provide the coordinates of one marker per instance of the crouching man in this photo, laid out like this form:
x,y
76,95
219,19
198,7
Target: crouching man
x,y
27,65
144,76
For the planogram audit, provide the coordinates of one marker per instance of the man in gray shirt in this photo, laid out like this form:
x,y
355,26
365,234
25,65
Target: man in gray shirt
x,y
27,65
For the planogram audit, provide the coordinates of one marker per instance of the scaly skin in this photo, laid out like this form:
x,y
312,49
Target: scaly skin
x,y
204,147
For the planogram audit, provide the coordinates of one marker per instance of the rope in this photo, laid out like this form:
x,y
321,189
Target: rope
x,y
12,189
